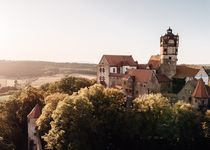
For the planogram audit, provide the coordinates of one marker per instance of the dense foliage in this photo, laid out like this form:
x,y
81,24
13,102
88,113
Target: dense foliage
x,y
95,118
13,118
13,112
67,85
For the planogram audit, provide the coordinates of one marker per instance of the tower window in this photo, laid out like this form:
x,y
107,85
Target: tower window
x,y
165,51
169,58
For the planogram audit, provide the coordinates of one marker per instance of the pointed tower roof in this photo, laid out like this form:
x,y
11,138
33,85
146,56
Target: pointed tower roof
x,y
200,90
169,30
35,113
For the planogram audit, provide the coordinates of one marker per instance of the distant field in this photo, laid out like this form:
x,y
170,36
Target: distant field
x,y
49,79
36,73
38,81
31,69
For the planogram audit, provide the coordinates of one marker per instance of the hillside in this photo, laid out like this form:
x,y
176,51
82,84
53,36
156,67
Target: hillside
x,y
30,69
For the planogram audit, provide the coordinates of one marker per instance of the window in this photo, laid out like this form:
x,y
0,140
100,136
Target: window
x,y
100,69
190,99
165,51
169,58
103,70
114,70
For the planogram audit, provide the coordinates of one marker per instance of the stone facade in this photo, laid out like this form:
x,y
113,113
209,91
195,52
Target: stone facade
x,y
168,53
139,82
103,72
112,68
186,92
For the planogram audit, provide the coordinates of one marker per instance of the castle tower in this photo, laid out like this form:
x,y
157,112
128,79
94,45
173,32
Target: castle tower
x,y
169,44
200,96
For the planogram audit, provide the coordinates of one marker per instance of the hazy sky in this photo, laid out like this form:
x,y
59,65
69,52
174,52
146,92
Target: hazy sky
x,y
84,30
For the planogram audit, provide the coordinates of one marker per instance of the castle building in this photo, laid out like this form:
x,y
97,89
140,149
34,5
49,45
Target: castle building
x,y
169,44
112,68
160,75
34,142
140,81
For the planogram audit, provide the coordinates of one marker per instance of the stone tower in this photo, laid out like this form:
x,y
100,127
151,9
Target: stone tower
x,y
169,44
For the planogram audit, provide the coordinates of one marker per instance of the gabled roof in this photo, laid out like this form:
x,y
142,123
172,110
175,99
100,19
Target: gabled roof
x,y
162,78
120,60
35,113
183,71
141,75
154,62
200,90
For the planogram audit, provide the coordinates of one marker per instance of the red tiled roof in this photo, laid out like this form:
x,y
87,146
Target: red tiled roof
x,y
200,90
142,66
141,75
184,71
35,113
154,62
162,78
120,60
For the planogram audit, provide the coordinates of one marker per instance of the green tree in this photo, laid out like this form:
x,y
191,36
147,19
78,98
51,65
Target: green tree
x,y
86,120
156,116
73,84
51,103
188,124
14,116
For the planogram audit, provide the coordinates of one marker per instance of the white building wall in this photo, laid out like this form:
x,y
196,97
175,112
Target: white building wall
x,y
113,70
202,74
125,68
32,133
103,64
